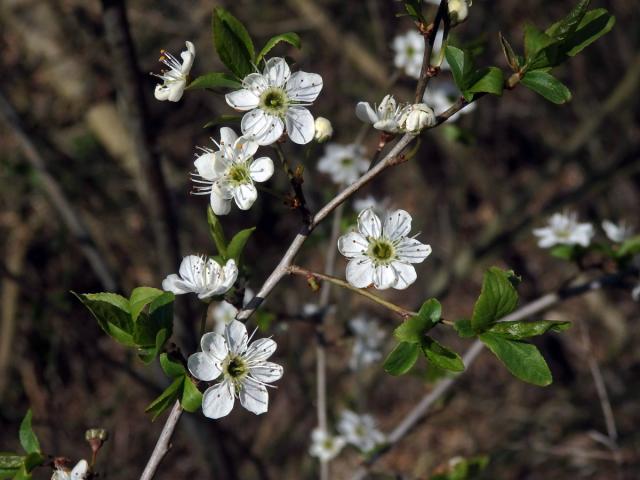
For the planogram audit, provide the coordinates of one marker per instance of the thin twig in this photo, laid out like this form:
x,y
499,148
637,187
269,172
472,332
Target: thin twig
x,y
298,202
163,443
427,71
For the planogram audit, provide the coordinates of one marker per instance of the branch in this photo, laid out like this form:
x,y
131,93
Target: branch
x,y
427,71
443,386
162,445
299,201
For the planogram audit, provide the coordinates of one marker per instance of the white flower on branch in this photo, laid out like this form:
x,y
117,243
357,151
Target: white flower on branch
x,y
409,50
277,99
79,472
243,368
203,276
360,430
224,313
325,446
368,339
619,232
175,79
382,255
416,118
343,163
564,229
442,96
384,117
323,129
230,172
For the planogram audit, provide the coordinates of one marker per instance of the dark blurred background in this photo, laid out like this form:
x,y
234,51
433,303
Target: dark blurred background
x,y
81,209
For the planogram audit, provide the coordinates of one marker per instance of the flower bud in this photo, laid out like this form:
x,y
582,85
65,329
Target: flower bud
x,y
324,130
417,117
458,11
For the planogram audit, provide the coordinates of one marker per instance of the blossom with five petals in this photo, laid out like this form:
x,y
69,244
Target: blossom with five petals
x,y
175,79
325,446
385,117
360,430
344,163
201,275
564,229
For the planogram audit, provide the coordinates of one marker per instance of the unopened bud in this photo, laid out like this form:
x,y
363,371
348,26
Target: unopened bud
x,y
417,117
324,130
96,437
458,11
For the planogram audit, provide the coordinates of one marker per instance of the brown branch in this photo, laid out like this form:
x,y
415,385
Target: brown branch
x,y
163,443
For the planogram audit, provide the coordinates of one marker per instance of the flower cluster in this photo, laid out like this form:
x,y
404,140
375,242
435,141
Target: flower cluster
x,y
392,117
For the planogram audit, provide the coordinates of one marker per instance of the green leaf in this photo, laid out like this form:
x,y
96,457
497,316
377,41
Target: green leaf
x,y
33,460
191,397
464,328
442,356
569,24
8,473
487,80
166,398
22,474
223,120
152,329
140,298
238,242
233,43
629,247
535,41
112,313
402,358
509,54
171,367
497,299
594,25
9,461
291,38
461,65
565,252
519,330
522,359
148,354
546,85
214,80
28,438
415,328
217,233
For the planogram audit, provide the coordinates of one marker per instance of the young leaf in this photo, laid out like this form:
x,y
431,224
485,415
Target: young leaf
x,y
191,397
486,80
148,326
568,25
149,353
442,356
112,313
33,460
214,80
461,65
535,41
10,461
497,299
522,359
172,368
629,247
520,330
414,329
166,398
233,43
594,25
28,438
509,54
565,252
238,242
140,298
464,329
217,233
291,38
402,358
546,85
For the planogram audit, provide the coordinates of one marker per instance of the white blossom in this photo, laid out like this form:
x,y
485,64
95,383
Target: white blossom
x,y
201,275
224,312
409,50
442,96
360,430
384,117
277,99
323,130
325,446
344,163
458,10
230,172
382,254
175,79
243,370
619,232
79,472
416,118
368,339
564,229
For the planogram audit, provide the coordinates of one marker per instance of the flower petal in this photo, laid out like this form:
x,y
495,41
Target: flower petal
x,y
242,100
300,125
261,169
256,83
405,273
260,350
353,244
267,372
188,56
217,401
236,336
215,346
230,271
277,71
205,165
397,225
173,283
227,136
360,272
304,87
254,397
190,267
261,127
245,195
244,148
219,204
203,367
369,224
80,471
366,113
384,277
410,250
